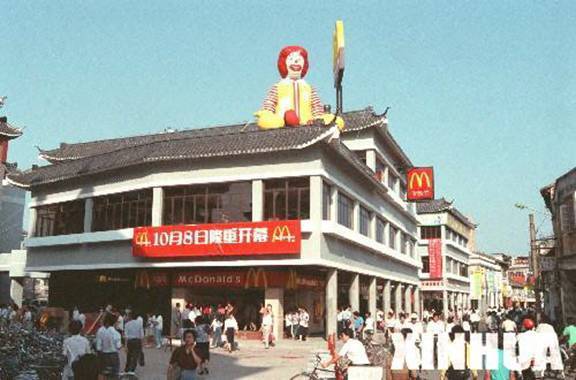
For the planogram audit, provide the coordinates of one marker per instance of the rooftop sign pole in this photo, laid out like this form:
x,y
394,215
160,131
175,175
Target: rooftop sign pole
x,y
338,62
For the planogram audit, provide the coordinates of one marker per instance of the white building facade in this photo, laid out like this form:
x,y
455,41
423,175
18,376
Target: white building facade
x,y
345,191
449,288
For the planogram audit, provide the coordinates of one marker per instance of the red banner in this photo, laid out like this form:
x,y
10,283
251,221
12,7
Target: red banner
x,y
420,184
435,258
222,239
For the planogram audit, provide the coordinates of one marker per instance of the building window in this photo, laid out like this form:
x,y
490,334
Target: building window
x,y
345,211
217,203
392,180
430,232
425,264
567,216
380,229
403,243
403,191
60,219
380,171
412,245
124,210
463,270
326,201
287,199
361,154
392,237
364,221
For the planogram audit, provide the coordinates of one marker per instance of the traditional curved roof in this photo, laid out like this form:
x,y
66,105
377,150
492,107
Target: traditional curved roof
x,y
355,120
7,131
76,160
435,206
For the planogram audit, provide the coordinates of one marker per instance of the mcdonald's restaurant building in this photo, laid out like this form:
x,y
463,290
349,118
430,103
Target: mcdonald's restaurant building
x,y
306,217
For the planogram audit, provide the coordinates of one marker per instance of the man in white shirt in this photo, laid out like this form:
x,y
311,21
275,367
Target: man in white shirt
x,y
352,349
108,343
508,325
134,333
73,348
368,325
435,326
304,320
158,326
415,326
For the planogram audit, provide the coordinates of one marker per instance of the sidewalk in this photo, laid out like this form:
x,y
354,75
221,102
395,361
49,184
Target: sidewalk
x,y
251,361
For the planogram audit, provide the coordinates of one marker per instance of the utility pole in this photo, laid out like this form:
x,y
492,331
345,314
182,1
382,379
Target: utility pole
x,y
535,265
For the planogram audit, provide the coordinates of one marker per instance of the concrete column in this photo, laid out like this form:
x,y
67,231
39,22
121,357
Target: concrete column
x,y
17,290
398,299
459,301
372,297
408,299
371,159
257,200
331,301
275,297
386,294
316,204
88,210
334,204
356,217
354,292
417,306
157,206
445,302
32,215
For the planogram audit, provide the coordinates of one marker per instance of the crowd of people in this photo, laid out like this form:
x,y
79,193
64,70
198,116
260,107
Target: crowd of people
x,y
354,328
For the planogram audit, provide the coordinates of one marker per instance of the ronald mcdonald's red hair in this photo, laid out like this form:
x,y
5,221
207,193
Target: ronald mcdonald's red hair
x,y
284,53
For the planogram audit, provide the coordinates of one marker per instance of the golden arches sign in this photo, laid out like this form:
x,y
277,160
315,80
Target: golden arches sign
x,y
282,233
142,239
419,178
142,279
254,276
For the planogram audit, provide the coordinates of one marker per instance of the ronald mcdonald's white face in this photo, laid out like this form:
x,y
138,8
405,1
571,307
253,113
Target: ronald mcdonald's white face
x,y
295,65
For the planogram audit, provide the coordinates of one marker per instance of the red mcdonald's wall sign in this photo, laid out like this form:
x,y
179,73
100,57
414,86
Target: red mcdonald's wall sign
x,y
222,239
420,184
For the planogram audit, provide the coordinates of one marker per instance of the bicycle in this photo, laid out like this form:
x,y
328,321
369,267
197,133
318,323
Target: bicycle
x,y
314,373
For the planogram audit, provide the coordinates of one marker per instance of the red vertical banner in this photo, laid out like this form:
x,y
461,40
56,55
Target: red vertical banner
x,y
3,151
435,258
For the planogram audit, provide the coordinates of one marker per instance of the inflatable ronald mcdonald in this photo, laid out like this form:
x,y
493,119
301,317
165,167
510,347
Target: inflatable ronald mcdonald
x,y
292,101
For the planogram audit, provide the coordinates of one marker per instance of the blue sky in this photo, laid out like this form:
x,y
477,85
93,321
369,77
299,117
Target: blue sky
x,y
484,91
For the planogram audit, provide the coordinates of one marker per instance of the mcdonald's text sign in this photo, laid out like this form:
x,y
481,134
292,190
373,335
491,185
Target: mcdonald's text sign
x,y
420,184
221,239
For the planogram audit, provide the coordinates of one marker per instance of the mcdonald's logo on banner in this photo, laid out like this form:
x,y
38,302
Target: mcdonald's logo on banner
x,y
420,184
142,279
292,281
282,233
253,278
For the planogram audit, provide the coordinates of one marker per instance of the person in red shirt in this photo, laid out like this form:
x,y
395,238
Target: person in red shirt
x,y
186,357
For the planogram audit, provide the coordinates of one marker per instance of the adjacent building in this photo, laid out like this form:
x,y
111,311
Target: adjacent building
x,y
295,217
12,200
560,199
488,281
522,281
447,240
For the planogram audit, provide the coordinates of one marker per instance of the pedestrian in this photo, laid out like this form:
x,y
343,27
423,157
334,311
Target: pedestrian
x,y
288,324
216,328
175,321
267,326
158,325
295,323
304,320
352,350
185,323
27,318
369,325
185,359
230,328
202,330
73,348
134,334
108,344
474,320
358,324
79,316
569,335
508,324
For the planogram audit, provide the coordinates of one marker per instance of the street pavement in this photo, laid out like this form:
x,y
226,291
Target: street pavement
x,y
251,361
